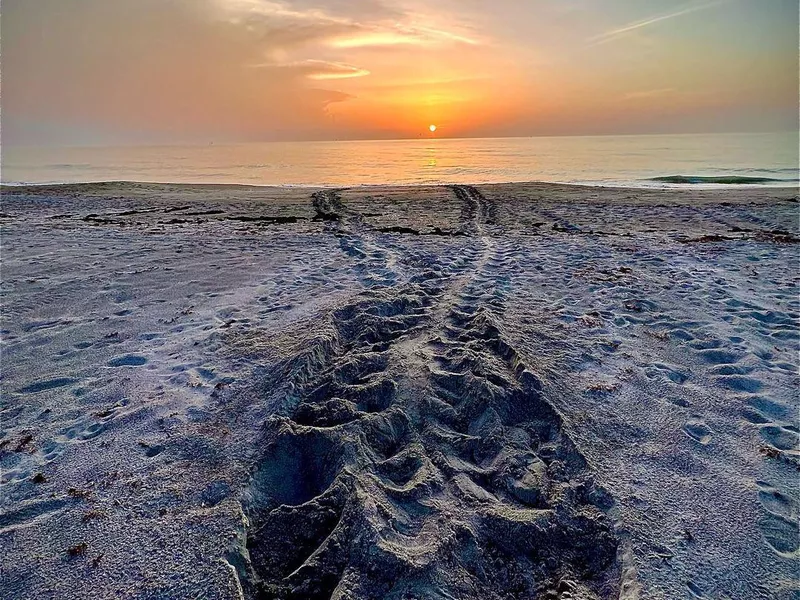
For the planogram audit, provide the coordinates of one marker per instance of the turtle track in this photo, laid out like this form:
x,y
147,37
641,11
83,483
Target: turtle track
x,y
414,454
375,264
328,206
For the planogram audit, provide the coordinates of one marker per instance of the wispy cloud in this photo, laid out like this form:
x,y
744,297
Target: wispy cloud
x,y
321,70
399,35
375,38
268,8
620,31
443,34
318,69
313,24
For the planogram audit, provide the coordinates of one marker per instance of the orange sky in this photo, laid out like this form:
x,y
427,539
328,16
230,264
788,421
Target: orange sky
x,y
86,71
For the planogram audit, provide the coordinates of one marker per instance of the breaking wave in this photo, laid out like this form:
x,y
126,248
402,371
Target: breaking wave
x,y
727,180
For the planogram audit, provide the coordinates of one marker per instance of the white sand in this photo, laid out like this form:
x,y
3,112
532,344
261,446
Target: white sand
x,y
521,390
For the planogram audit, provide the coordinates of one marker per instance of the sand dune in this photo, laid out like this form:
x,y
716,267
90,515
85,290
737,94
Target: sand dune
x,y
510,391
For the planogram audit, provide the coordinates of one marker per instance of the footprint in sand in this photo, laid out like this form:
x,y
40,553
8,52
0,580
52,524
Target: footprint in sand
x,y
48,384
128,360
29,511
779,520
740,383
727,370
697,429
768,408
717,356
705,344
695,591
722,370
48,450
754,416
668,371
84,431
781,437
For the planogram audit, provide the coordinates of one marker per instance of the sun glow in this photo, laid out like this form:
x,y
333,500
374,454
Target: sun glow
x,y
432,128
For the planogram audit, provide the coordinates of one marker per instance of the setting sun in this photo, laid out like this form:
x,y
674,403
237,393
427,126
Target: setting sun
x,y
432,128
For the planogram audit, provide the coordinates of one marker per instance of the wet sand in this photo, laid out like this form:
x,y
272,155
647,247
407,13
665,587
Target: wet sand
x,y
501,391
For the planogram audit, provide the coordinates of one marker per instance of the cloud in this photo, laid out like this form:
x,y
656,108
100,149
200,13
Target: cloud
x,y
326,97
399,35
448,36
319,69
376,38
243,9
346,12
620,31
284,24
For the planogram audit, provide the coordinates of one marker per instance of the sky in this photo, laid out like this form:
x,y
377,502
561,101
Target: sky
x,y
160,71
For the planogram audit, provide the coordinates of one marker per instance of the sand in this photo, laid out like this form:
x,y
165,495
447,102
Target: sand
x,y
506,391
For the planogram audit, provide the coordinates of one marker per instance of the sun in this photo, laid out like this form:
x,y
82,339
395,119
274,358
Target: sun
x,y
432,128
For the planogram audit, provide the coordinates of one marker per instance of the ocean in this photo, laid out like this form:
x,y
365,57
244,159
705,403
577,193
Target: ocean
x,y
630,161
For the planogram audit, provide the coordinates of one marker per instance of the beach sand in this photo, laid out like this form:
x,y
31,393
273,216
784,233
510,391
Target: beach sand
x,y
494,392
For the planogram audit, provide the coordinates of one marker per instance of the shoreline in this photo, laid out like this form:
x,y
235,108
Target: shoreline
x,y
655,187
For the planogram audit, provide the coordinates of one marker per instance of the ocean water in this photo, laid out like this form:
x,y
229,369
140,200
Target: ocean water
x,y
632,161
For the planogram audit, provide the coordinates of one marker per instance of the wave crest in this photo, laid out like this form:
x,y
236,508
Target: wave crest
x,y
728,179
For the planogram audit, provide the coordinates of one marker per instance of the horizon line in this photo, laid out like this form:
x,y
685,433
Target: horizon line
x,y
428,138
